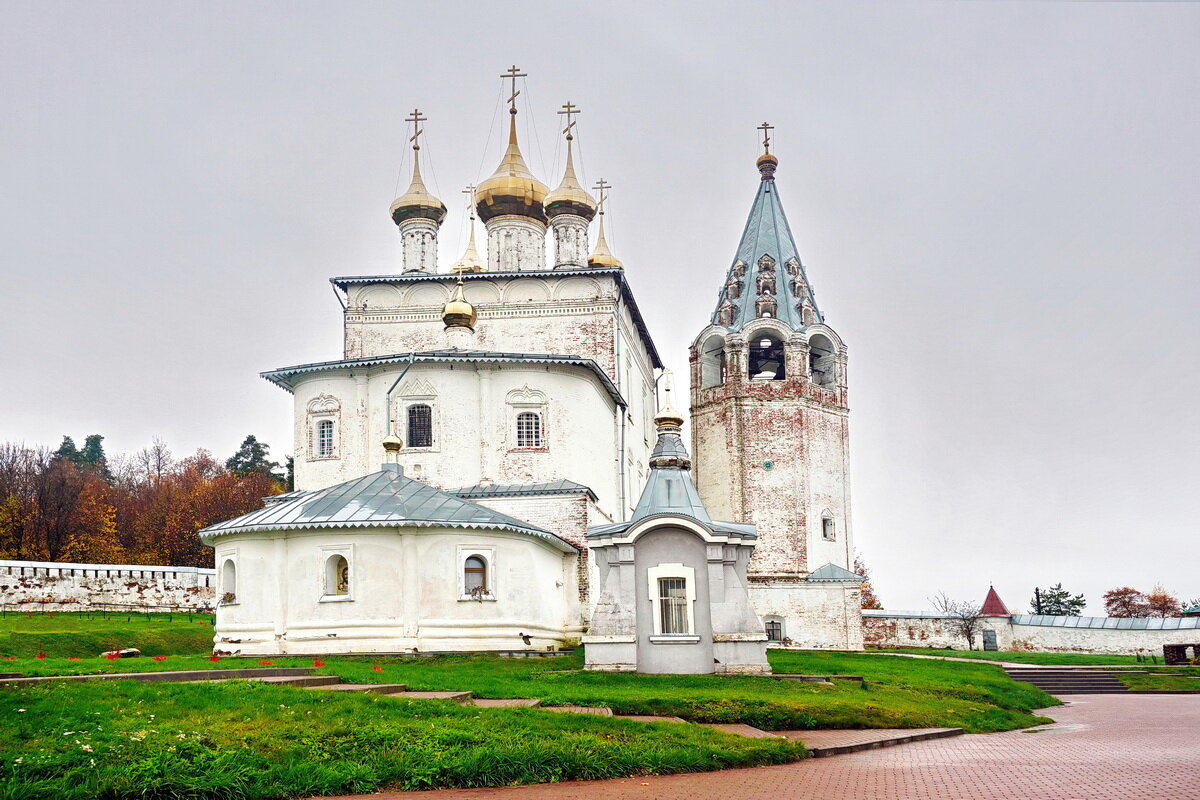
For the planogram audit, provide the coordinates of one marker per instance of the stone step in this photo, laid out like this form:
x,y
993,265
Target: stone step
x,y
823,743
366,688
506,702
11,675
597,710
174,676
743,730
462,698
649,718
307,681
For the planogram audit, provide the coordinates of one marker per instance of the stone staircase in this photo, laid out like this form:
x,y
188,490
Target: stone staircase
x,y
1068,680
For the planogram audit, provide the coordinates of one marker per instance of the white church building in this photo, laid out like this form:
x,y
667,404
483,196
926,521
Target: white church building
x,y
484,417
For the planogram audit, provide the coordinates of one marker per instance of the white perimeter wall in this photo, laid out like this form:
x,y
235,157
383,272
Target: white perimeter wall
x,y
54,586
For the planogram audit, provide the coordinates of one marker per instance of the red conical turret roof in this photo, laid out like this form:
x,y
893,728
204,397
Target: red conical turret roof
x,y
993,606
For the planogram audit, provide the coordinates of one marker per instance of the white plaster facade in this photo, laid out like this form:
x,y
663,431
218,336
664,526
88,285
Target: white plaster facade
x,y
57,586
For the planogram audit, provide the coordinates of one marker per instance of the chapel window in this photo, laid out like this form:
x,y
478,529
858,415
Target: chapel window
x,y
529,429
766,358
420,426
774,628
228,582
325,438
337,576
475,582
673,605
828,529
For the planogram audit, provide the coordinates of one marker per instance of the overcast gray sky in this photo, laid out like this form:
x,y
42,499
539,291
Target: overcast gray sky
x,y
997,204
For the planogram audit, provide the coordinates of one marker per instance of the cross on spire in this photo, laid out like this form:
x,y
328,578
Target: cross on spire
x,y
766,128
569,110
416,118
602,188
513,73
470,193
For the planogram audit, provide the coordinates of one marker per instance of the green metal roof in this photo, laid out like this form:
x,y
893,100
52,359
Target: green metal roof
x,y
522,489
283,376
384,499
832,573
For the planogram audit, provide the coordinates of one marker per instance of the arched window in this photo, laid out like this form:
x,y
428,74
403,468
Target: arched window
x,y
529,429
325,438
337,575
712,361
420,426
766,357
822,360
828,528
228,582
475,577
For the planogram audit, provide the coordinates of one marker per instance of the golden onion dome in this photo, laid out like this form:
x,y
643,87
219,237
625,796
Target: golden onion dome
x,y
470,261
512,189
417,202
602,256
458,313
766,164
668,417
393,443
570,197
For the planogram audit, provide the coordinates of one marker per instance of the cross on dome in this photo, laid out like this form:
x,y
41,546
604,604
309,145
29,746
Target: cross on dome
x,y
766,128
416,118
513,73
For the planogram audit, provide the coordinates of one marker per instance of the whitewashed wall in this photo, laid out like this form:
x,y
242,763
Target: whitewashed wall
x,y
55,586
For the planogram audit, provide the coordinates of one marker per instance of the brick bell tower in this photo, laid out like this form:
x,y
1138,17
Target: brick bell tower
x,y
770,432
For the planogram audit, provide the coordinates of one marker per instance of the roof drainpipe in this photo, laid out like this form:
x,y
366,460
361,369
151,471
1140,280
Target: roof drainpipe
x,y
412,357
621,410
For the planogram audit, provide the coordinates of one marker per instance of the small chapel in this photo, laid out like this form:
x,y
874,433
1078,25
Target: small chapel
x,y
487,465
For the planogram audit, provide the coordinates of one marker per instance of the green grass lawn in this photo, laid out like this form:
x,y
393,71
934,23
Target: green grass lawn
x,y
1021,657
87,634
1162,679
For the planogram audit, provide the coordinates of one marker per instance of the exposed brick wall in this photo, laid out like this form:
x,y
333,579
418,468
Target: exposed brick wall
x,y
51,586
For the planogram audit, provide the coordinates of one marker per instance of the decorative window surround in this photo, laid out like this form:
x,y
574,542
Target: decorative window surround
x,y
329,580
488,555
688,575
418,393
526,401
321,409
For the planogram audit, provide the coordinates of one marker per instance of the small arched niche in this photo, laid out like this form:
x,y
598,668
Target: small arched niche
x,y
766,356
712,361
822,360
228,582
337,576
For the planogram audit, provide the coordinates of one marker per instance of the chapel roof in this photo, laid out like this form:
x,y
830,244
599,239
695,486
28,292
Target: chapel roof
x,y
993,606
283,376
766,247
616,273
383,499
832,573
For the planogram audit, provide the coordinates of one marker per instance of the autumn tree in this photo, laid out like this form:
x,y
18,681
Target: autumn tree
x,y
93,537
1057,602
869,598
12,526
1161,603
1125,602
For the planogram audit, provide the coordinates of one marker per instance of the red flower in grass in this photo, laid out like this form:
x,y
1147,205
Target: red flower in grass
x,y
10,658
214,658
72,658
377,669
40,656
52,613
318,662
267,663
159,658
112,655
30,615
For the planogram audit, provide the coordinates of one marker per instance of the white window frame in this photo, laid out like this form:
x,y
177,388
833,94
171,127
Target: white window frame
x,y
522,400
541,430
828,528
488,554
688,574
346,552
320,409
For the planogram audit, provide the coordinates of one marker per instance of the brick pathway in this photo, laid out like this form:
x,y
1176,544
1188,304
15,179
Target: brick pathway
x,y
1103,747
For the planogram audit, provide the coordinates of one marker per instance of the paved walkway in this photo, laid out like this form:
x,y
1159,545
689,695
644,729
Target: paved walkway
x,y
1102,747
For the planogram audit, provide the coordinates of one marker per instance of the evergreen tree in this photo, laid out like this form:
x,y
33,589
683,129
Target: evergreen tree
x,y
1057,602
67,451
290,481
251,458
92,456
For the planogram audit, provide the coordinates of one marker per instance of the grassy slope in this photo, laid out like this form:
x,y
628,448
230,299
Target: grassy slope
x,y
1021,657
85,635
248,740
1163,679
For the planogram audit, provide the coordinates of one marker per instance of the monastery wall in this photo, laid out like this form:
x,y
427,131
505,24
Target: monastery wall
x,y
53,586
821,616
916,629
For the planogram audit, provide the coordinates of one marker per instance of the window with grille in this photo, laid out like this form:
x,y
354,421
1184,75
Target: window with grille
x,y
475,576
672,605
774,630
828,532
420,426
325,438
529,429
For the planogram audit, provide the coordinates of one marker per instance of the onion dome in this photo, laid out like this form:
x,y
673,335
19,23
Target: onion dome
x,y
570,197
458,313
470,261
602,256
668,417
417,202
512,189
766,166
393,443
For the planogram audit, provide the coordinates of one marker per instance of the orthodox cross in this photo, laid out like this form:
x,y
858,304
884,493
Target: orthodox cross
x,y
601,188
513,73
416,118
766,129
470,193
570,110
668,387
